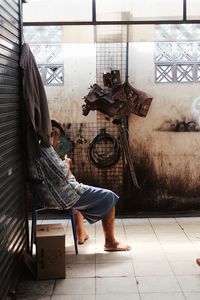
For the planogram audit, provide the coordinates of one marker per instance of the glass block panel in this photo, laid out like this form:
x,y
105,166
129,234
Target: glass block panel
x,y
193,9
185,73
43,34
164,52
38,52
164,73
138,10
53,54
54,75
40,69
198,52
183,52
198,73
57,10
47,54
177,32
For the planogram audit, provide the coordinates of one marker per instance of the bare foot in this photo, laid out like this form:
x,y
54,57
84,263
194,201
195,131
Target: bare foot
x,y
82,238
117,247
198,261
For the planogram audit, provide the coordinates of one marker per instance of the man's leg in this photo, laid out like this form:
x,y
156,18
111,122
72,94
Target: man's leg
x,y
82,236
111,244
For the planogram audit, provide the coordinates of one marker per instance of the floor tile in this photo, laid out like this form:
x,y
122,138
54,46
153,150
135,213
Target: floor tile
x,y
117,269
119,285
142,237
149,257
152,268
136,221
162,221
176,256
130,229
192,296
75,286
159,228
162,296
189,283
191,227
36,287
185,220
113,257
83,270
73,297
154,284
32,298
185,267
80,258
118,297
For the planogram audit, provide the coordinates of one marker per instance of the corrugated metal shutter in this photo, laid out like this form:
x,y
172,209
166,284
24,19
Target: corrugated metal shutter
x,y
13,224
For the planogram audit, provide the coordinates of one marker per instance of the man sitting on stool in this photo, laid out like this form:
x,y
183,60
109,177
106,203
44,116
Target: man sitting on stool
x,y
91,203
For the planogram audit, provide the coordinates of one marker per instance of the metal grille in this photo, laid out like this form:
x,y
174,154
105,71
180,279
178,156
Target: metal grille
x,y
82,134
13,226
110,54
111,51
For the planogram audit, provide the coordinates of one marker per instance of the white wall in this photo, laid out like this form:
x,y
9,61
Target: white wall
x,y
79,74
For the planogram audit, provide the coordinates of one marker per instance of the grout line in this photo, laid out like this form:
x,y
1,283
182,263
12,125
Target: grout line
x,y
182,228
132,262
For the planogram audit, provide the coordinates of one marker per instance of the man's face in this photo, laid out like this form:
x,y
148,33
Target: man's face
x,y
55,137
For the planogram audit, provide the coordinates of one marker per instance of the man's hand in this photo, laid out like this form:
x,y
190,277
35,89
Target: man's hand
x,y
69,163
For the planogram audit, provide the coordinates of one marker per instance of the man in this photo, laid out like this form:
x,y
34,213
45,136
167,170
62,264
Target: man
x,y
62,188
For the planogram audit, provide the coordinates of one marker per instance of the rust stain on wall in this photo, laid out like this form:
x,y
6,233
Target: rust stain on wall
x,y
159,192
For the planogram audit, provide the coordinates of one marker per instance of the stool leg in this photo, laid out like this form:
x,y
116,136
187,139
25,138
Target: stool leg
x,y
73,222
33,228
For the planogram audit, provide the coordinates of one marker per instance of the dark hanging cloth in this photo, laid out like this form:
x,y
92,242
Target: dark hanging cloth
x,y
38,123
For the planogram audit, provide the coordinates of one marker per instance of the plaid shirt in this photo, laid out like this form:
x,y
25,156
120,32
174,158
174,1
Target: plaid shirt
x,y
59,189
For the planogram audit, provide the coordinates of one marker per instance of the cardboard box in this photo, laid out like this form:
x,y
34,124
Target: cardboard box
x,y
50,251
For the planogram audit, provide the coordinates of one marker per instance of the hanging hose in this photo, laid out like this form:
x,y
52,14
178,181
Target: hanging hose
x,y
104,151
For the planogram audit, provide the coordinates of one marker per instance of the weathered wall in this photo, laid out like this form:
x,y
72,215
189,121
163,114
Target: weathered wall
x,y
167,162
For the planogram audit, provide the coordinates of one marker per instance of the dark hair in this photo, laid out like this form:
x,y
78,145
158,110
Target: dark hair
x,y
55,124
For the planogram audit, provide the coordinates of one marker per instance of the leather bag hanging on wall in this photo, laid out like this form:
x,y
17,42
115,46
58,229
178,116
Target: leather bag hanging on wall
x,y
135,101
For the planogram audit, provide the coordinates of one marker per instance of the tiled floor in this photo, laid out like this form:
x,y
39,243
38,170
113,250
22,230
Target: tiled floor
x,y
161,265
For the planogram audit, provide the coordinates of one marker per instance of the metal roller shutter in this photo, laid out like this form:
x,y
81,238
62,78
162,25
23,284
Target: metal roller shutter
x,y
13,221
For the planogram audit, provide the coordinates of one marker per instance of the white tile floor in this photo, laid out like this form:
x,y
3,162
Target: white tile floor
x,y
161,265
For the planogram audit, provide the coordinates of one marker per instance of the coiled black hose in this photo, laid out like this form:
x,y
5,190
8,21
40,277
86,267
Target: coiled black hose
x,y
100,152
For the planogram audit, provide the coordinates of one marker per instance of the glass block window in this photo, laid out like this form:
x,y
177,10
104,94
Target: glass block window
x,y
49,59
53,75
177,62
43,34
